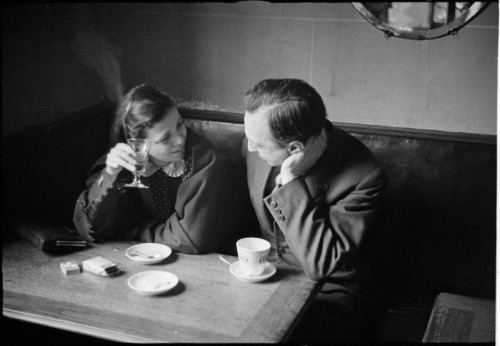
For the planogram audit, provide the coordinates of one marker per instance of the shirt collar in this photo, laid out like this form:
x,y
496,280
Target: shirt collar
x,y
150,169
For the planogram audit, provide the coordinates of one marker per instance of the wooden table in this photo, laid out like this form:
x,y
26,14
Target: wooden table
x,y
208,304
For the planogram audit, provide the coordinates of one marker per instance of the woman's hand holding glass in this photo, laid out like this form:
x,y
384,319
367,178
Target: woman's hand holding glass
x,y
132,156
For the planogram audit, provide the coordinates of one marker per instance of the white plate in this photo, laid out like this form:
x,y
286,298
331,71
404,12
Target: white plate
x,y
269,271
158,251
153,282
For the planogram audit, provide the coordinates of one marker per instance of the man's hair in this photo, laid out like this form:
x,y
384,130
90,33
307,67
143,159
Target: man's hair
x,y
295,109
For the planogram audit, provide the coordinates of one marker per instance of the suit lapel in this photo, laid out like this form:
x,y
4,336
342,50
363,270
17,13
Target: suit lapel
x,y
317,178
316,182
261,176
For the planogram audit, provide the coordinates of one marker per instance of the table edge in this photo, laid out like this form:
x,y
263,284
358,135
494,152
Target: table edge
x,y
73,327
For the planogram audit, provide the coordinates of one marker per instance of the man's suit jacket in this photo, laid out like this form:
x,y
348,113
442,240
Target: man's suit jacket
x,y
318,221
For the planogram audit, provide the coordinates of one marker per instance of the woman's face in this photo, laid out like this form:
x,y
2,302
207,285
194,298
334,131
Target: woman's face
x,y
168,139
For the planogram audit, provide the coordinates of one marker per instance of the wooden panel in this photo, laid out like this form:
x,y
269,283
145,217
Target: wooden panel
x,y
457,318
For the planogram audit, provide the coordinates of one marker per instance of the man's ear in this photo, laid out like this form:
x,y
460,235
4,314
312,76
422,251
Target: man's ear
x,y
295,147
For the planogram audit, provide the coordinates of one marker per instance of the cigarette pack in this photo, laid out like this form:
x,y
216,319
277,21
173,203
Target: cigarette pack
x,y
69,268
101,266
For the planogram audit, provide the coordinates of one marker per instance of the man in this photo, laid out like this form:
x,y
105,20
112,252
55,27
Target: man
x,y
315,189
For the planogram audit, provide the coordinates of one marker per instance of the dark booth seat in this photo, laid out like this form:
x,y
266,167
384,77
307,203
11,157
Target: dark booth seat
x,y
434,233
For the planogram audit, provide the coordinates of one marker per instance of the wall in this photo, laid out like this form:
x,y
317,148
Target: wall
x,y
61,57
44,71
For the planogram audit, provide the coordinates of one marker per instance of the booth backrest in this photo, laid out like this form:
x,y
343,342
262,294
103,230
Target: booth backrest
x,y
435,231
436,228
48,165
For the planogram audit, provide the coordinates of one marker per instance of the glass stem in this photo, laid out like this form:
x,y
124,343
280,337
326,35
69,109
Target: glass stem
x,y
136,178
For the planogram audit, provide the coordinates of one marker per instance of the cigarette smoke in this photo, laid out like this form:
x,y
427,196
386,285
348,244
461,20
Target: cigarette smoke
x,y
94,50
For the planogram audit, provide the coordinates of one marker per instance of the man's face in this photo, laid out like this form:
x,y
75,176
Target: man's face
x,y
260,138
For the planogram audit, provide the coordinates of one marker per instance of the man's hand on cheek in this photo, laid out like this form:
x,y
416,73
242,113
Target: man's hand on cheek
x,y
292,167
299,162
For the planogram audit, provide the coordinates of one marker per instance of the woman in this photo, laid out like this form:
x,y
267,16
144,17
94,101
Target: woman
x,y
187,205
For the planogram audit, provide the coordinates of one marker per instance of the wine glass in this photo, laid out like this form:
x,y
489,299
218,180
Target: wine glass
x,y
141,148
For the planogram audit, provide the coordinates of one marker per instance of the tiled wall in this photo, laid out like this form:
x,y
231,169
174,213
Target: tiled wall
x,y
209,54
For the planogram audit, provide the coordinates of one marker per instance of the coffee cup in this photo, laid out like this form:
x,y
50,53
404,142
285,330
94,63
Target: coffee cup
x,y
252,255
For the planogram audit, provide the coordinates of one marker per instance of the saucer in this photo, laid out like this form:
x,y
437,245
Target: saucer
x,y
153,282
269,271
139,253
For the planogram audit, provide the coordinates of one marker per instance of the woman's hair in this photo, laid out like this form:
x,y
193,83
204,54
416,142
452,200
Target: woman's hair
x,y
296,110
140,108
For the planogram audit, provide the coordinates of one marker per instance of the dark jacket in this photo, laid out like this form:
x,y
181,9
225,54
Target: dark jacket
x,y
318,221
204,218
